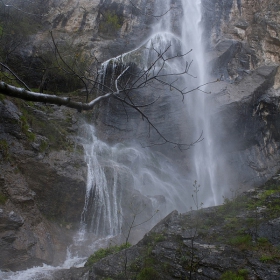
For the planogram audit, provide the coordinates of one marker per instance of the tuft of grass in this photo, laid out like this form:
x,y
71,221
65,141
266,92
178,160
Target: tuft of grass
x,y
266,258
230,275
4,149
262,241
102,253
43,146
243,241
243,272
26,130
147,273
3,199
156,237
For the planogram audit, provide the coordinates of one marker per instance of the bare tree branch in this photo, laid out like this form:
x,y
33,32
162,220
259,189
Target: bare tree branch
x,y
125,80
49,98
15,75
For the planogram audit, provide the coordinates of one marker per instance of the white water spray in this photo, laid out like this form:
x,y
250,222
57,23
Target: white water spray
x,y
102,211
204,163
198,109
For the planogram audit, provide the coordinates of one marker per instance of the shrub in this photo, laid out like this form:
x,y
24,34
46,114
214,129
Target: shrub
x,y
241,240
147,273
3,198
229,275
102,253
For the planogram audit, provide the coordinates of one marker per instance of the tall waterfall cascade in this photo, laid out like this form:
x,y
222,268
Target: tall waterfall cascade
x,y
187,38
113,169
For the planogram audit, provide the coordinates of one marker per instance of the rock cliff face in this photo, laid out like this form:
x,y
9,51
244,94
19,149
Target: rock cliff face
x,y
255,24
244,51
103,28
42,184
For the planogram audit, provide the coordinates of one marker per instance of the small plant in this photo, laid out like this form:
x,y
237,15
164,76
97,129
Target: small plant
x,y
102,253
230,275
26,130
30,103
4,148
147,273
266,258
110,23
3,199
241,240
2,97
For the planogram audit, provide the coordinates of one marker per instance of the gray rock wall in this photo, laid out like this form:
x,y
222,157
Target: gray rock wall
x,y
42,185
244,37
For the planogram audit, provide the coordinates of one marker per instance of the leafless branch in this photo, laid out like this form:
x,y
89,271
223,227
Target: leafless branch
x,y
15,75
49,98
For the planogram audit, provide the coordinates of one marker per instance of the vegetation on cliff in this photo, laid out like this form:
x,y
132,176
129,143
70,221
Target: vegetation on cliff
x,y
238,240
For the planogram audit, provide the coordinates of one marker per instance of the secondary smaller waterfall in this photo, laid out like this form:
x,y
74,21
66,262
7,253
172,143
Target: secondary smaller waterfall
x,y
102,212
121,174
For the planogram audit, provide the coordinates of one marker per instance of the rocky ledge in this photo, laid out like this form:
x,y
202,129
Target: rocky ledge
x,y
237,240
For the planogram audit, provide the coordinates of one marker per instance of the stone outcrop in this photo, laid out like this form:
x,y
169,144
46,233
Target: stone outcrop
x,y
253,23
246,115
102,28
243,49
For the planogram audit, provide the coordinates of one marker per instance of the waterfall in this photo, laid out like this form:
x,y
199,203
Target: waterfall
x,y
102,211
120,173
203,156
181,36
148,178
206,166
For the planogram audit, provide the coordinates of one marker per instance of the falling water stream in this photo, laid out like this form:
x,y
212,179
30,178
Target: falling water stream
x,y
112,169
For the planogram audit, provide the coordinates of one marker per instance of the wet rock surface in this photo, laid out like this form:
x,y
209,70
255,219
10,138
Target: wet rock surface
x,y
103,28
247,113
237,239
42,184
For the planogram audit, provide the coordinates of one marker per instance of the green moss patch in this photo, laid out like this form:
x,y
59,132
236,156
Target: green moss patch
x,y
4,149
3,199
230,275
102,253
